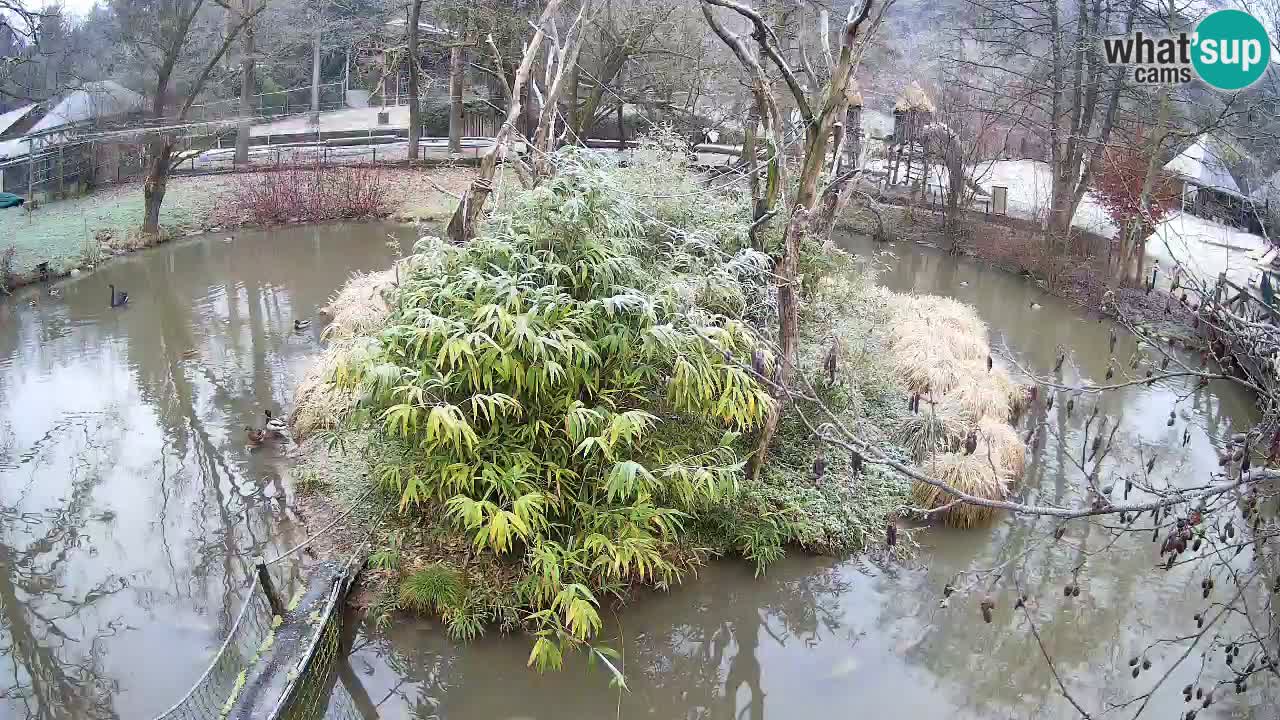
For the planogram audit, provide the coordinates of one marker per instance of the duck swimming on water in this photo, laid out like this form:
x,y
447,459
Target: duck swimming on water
x,y
254,438
300,325
118,298
275,426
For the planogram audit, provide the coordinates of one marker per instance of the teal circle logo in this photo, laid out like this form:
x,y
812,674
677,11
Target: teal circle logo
x,y
1231,50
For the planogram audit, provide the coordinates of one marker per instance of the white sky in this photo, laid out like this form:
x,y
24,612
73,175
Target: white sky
x,y
79,8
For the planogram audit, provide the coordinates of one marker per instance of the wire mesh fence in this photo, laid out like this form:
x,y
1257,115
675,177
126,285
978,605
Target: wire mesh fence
x,y
212,694
318,695
279,660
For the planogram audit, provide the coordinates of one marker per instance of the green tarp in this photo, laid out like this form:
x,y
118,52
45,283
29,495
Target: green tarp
x,y
8,200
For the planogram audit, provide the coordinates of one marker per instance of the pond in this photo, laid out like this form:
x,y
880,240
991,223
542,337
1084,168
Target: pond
x,y
130,510
130,507
824,637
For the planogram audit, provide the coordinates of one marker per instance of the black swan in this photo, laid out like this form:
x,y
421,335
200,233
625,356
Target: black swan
x,y
118,299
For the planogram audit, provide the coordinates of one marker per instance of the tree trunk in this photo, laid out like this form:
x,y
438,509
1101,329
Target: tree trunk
x,y
1060,211
622,126
788,329
315,78
575,116
749,132
415,112
455,99
153,188
243,131
463,223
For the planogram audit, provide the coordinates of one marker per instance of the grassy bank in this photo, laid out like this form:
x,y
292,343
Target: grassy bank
x,y
561,412
85,231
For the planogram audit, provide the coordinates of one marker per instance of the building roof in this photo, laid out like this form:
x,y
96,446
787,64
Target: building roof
x,y
8,119
1201,165
914,98
95,100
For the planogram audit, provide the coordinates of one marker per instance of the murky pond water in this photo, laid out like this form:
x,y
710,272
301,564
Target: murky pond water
x,y
822,637
130,511
130,507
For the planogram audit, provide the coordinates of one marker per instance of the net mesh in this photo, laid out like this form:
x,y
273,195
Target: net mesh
x,y
313,690
311,696
210,696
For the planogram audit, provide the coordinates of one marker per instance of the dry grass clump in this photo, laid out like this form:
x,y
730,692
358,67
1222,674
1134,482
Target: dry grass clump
x,y
981,394
972,474
936,342
359,309
1000,442
933,429
939,346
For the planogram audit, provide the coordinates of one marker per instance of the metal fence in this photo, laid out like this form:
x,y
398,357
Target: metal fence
x,y
210,697
279,103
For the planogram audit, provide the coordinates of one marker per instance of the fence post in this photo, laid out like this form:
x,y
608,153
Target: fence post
x,y
31,171
62,176
268,587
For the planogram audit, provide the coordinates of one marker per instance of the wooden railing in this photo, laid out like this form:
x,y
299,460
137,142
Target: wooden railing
x,y
1243,302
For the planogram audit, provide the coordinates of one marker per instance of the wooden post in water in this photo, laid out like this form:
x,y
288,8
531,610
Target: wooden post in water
x,y
268,587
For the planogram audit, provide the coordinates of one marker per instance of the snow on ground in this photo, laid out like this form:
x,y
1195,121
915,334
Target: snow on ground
x,y
1029,183
1207,249
1203,247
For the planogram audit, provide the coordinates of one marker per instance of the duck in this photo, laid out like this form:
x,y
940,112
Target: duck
x,y
964,283
118,298
55,292
254,438
275,426
300,325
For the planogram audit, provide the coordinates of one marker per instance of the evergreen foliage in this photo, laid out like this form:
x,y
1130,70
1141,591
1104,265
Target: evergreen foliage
x,y
570,392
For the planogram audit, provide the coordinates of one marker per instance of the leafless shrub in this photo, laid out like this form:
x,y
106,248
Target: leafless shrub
x,y
306,194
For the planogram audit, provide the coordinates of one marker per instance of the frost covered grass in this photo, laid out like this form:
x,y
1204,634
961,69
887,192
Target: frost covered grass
x,y
84,231
58,232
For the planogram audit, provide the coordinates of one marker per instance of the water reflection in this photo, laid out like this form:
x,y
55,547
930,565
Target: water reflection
x,y
129,506
828,638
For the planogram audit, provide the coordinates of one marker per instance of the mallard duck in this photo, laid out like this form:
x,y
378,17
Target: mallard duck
x,y
254,438
300,325
118,299
55,292
1034,305
275,425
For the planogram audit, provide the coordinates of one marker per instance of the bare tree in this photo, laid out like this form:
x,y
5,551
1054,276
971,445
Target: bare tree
x,y
822,185
462,225
162,34
246,8
415,78
1047,55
